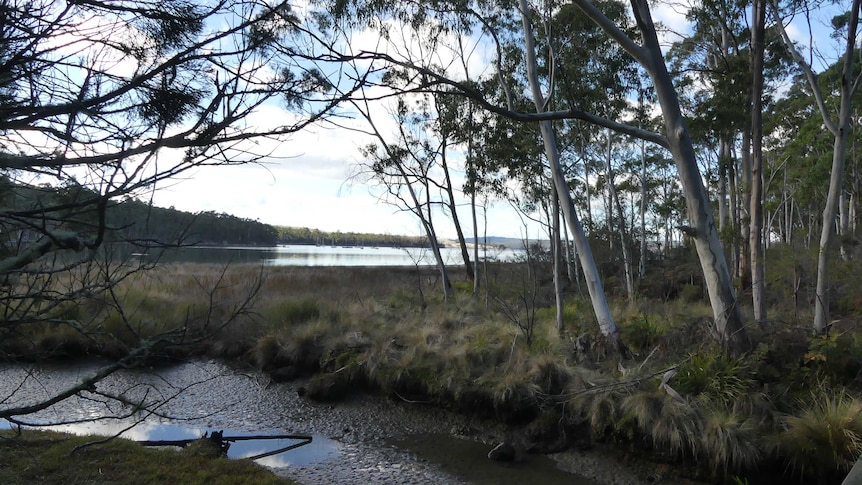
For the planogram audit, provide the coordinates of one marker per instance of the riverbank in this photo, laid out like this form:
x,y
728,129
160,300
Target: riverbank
x,y
374,439
497,356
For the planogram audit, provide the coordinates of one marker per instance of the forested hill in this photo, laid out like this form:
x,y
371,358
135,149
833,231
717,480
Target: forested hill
x,y
140,220
135,220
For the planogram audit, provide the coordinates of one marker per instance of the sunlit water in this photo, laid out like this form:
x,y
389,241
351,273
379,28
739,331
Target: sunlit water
x,y
299,255
319,450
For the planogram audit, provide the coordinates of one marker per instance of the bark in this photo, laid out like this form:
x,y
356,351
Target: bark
x,y
758,289
643,207
558,263
453,208
744,212
591,273
475,242
840,129
728,327
723,161
734,212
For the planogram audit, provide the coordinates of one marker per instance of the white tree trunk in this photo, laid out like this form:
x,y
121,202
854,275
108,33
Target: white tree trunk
x,y
591,273
728,327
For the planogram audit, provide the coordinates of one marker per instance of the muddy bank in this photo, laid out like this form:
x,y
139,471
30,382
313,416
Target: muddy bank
x,y
375,439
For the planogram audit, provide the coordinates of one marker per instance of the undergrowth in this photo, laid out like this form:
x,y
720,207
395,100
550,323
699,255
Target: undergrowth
x,y
780,414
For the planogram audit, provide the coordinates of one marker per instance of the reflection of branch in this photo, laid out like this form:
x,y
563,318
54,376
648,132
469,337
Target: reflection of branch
x,y
149,411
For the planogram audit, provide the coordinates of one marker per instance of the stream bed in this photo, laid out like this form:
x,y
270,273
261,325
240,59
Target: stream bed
x,y
365,439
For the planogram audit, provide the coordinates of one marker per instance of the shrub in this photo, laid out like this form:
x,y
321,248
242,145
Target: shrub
x,y
292,312
640,333
714,375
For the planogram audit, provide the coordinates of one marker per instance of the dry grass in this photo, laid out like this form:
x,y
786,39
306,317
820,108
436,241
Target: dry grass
x,y
372,326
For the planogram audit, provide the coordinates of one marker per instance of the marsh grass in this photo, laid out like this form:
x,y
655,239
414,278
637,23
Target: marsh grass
x,y
47,458
823,438
383,328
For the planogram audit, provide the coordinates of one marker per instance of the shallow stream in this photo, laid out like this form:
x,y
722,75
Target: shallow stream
x,y
367,439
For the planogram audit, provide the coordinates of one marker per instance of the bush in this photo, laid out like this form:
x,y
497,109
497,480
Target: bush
x,y
714,375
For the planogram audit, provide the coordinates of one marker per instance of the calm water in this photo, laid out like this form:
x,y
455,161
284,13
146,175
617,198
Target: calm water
x,y
362,440
297,255
319,450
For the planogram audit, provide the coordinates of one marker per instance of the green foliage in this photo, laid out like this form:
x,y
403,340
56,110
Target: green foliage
x,y
833,358
641,333
715,376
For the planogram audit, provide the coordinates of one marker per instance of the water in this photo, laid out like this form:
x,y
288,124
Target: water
x,y
365,439
319,450
299,255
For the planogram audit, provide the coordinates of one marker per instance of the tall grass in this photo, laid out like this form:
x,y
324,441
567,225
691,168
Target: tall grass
x,y
376,326
824,435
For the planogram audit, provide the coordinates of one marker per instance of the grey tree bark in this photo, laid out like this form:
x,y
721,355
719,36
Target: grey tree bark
x,y
840,129
758,285
591,273
728,326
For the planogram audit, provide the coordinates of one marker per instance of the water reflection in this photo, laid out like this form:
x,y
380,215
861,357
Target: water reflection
x,y
298,255
319,450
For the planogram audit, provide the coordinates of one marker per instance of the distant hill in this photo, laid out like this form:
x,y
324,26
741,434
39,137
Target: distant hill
x,y
304,235
133,220
129,220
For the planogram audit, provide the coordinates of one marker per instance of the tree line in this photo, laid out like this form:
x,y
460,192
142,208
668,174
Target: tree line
x,y
304,235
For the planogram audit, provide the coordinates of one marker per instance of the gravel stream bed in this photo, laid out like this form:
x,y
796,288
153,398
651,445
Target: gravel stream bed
x,y
375,440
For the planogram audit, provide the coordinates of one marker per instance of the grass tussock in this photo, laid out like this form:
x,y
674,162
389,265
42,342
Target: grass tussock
x,y
680,399
824,434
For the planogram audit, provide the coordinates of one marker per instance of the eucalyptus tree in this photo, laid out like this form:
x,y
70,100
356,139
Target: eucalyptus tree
x,y
107,100
728,323
403,168
847,26
758,285
561,187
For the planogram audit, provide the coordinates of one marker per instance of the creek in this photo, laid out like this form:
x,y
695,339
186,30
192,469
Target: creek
x,y
366,439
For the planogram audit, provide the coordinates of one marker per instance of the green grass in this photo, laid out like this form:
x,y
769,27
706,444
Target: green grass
x,y
47,458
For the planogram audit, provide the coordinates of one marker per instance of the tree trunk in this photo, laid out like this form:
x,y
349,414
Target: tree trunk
x,y
591,273
734,213
723,161
643,207
728,327
557,243
745,213
462,242
758,290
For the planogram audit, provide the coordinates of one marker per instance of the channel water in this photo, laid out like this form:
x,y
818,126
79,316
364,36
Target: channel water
x,y
367,439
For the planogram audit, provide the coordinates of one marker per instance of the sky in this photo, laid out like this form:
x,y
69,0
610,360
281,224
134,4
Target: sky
x,y
309,184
